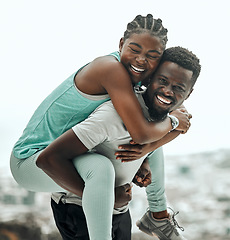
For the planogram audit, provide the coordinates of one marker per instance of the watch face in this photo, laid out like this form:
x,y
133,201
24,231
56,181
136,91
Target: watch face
x,y
174,121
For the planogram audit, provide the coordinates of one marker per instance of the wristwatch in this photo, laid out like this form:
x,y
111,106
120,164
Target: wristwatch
x,y
174,122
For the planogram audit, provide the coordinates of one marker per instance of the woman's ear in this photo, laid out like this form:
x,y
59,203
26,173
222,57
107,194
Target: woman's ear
x,y
121,44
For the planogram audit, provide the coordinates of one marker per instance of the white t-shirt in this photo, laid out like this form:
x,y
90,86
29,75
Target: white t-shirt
x,y
103,131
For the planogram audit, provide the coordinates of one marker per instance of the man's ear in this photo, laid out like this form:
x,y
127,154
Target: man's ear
x,y
189,94
121,44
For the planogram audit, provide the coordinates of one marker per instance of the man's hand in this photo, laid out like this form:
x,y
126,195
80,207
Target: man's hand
x,y
133,151
143,175
123,194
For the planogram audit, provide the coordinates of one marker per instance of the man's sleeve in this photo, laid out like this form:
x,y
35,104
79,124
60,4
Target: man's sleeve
x,y
95,129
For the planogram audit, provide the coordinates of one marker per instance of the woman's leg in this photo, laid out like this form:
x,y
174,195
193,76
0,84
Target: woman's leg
x,y
98,197
156,190
98,174
29,176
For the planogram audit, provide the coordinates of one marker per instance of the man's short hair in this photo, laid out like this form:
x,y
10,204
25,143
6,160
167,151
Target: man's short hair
x,y
184,58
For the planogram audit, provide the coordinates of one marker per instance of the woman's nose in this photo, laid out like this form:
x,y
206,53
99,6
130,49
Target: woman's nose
x,y
141,59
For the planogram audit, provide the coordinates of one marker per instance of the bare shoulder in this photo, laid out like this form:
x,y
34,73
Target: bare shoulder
x,y
106,64
111,71
101,73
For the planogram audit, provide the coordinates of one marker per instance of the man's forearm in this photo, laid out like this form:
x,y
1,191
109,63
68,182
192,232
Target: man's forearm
x,y
56,162
64,174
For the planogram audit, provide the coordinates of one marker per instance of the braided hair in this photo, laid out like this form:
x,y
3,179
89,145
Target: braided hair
x,y
184,58
147,24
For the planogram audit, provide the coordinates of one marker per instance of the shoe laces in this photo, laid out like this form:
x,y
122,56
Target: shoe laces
x,y
173,220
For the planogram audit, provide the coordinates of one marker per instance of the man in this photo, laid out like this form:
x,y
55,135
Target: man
x,y
170,86
70,218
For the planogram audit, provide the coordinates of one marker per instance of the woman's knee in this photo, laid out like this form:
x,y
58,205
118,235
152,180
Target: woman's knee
x,y
93,165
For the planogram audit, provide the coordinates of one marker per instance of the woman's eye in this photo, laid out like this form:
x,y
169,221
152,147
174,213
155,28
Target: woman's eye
x,y
134,50
152,57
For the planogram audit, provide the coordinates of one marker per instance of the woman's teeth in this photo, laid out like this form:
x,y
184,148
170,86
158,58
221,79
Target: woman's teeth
x,y
137,70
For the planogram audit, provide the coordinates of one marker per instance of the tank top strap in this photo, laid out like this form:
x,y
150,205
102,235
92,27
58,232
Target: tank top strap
x,y
116,55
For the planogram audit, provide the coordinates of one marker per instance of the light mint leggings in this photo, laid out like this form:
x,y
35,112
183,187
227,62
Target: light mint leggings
x,y
98,196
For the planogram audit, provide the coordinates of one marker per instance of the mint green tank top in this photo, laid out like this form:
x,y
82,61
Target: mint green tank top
x,y
60,111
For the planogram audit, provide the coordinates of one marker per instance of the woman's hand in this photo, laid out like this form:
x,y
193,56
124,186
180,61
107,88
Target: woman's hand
x,y
184,119
133,151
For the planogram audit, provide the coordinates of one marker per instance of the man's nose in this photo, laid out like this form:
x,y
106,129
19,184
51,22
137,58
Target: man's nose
x,y
168,90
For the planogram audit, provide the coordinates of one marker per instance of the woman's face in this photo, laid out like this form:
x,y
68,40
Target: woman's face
x,y
140,54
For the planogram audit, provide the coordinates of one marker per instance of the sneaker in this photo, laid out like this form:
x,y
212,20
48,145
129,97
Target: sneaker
x,y
164,229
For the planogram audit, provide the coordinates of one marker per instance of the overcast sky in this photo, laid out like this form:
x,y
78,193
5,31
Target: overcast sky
x,y
43,42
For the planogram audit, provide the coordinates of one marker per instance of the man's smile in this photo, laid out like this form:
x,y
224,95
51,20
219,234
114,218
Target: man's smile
x,y
163,100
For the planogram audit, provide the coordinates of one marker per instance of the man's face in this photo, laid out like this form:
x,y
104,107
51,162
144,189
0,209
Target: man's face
x,y
170,86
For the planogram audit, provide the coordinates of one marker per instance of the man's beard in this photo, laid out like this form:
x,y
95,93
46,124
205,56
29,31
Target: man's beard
x,y
156,115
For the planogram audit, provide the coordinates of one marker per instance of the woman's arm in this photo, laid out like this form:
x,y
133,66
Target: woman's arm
x,y
120,89
133,151
106,75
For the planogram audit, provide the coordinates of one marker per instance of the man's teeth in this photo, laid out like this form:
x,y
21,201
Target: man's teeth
x,y
164,100
137,69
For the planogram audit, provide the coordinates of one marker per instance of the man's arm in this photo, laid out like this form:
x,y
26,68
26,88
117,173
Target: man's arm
x,y
143,175
56,159
135,151
56,162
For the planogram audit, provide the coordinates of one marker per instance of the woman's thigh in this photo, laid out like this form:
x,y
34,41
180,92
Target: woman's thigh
x,y
28,175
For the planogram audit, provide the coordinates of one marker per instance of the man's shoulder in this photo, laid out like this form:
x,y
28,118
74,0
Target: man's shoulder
x,y
106,117
106,110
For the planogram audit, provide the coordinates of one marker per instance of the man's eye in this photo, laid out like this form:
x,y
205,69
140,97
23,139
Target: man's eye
x,y
162,81
179,89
